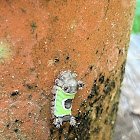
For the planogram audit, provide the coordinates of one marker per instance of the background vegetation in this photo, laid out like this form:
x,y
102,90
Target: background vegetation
x,y
136,23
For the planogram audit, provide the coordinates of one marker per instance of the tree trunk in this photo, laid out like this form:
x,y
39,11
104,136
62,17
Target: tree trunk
x,y
41,38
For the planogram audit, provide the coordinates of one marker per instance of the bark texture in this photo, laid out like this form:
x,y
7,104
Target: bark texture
x,y
41,38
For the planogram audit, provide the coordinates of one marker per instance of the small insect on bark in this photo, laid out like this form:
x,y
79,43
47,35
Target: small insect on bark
x,y
64,90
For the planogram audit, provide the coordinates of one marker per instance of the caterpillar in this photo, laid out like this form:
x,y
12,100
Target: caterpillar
x,y
64,90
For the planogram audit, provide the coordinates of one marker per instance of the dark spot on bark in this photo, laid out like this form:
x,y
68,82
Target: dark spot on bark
x,y
36,36
114,107
7,125
122,71
42,93
56,18
16,130
36,86
86,74
29,114
33,25
95,88
91,67
16,120
32,69
101,105
52,130
108,86
29,86
101,79
95,12
97,110
120,51
107,8
23,10
67,58
59,138
106,121
100,74
107,89
113,84
30,97
107,109
91,104
83,103
102,96
101,111
107,81
90,96
15,93
70,129
96,100
56,60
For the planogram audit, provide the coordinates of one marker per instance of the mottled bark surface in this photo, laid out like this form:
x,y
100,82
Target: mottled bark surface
x,y
40,38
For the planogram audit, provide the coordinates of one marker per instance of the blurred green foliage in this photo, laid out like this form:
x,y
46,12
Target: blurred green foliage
x,y
136,23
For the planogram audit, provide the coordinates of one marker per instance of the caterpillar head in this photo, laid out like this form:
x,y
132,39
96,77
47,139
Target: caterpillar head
x,y
68,82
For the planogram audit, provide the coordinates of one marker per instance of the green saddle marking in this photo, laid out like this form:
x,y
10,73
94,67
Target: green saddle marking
x,y
60,96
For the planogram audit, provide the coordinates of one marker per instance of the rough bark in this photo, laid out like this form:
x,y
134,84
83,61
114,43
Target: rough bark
x,y
40,38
